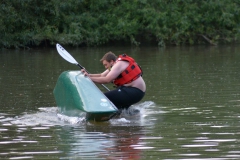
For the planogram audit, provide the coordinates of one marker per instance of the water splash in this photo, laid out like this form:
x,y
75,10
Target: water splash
x,y
50,116
71,120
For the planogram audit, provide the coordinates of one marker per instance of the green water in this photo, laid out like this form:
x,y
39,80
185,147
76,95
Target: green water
x,y
190,110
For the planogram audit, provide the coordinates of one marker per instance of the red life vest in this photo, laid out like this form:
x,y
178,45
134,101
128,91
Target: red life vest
x,y
131,73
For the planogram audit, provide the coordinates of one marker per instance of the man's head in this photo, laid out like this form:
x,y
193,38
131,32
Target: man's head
x,y
108,60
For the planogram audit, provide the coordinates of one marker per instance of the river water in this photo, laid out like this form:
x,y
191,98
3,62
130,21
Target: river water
x,y
190,110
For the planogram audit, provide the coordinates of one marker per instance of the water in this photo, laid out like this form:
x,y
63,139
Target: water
x,y
190,111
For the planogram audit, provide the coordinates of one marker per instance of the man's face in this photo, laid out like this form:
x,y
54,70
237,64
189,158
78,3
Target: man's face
x,y
107,64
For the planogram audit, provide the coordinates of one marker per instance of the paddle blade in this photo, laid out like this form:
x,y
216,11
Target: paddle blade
x,y
64,54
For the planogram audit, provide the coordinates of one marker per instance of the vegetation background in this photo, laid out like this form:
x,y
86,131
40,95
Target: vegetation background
x,y
29,23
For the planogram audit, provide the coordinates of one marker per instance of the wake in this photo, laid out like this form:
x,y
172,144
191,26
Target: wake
x,y
50,116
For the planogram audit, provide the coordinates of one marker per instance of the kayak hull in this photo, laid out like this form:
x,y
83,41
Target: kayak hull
x,y
76,94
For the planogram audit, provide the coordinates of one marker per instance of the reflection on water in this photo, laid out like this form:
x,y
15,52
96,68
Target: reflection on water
x,y
78,138
190,111
98,142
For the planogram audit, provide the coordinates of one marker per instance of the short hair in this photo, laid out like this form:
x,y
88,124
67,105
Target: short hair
x,y
109,56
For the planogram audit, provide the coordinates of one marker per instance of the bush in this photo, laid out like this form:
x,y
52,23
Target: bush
x,y
93,23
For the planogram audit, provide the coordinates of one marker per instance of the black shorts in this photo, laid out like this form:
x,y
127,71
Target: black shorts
x,y
123,97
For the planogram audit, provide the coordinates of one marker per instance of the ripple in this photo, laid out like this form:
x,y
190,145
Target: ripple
x,y
3,129
165,150
200,145
39,128
218,126
216,140
190,154
22,157
143,147
212,150
43,152
145,138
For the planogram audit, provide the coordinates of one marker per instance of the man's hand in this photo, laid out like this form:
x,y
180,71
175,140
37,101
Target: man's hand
x,y
84,72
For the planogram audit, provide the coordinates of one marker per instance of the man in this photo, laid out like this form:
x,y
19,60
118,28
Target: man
x,y
126,75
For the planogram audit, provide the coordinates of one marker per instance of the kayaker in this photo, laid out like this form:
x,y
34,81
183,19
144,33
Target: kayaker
x,y
125,73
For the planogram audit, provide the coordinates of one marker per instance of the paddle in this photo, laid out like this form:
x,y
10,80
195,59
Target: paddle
x,y
67,56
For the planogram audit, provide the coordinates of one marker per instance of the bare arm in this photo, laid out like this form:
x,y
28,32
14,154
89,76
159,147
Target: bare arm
x,y
109,76
95,75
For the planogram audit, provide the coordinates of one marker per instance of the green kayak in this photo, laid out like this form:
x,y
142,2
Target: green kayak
x,y
76,94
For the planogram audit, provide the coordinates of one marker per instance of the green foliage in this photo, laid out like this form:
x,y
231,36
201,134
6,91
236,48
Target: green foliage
x,y
92,23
